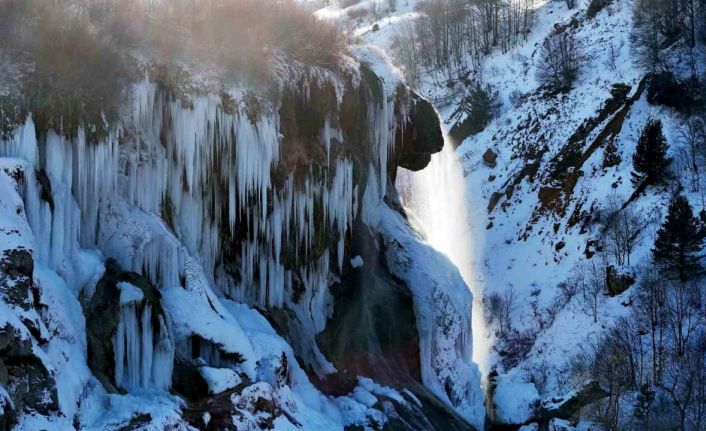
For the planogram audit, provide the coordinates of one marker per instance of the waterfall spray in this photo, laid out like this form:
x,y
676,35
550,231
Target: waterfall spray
x,y
436,199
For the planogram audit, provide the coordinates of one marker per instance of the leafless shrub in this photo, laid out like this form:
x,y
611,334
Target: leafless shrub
x,y
515,346
499,307
589,278
539,376
81,49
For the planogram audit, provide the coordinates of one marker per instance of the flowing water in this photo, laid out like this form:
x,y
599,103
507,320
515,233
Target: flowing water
x,y
437,201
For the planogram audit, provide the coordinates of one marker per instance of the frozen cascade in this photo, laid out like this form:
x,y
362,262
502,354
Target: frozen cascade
x,y
197,174
144,355
63,213
437,198
206,142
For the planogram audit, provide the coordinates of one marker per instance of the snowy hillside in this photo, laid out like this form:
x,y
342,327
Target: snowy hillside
x,y
542,181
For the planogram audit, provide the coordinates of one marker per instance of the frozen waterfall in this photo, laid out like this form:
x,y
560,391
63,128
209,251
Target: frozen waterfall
x,y
144,355
437,198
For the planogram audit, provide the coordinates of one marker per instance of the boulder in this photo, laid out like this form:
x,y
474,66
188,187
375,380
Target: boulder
x,y
490,158
420,137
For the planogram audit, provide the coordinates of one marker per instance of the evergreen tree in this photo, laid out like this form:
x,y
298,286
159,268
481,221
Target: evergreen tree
x,y
679,240
650,159
643,404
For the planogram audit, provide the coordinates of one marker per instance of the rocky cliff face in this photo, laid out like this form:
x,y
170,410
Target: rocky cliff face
x,y
213,255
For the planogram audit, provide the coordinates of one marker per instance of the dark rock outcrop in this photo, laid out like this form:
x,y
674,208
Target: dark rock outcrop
x,y
569,407
188,381
489,157
30,385
420,137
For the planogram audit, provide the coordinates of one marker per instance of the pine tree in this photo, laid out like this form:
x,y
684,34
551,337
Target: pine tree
x,y
643,404
650,159
679,240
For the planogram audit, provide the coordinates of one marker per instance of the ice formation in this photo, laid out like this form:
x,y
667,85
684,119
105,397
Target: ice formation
x,y
144,355
189,165
442,303
212,154
168,192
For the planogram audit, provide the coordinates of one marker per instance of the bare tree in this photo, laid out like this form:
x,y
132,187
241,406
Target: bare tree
x,y
614,362
589,278
559,61
658,24
650,306
701,20
684,315
452,35
684,384
508,306
661,344
613,53
404,49
623,229
646,36
692,135
493,307
500,307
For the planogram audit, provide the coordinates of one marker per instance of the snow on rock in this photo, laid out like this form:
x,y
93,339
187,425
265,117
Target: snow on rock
x,y
197,311
515,400
557,424
357,262
220,379
129,293
23,328
360,407
152,411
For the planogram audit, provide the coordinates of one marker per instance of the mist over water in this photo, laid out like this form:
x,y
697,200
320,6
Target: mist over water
x,y
437,203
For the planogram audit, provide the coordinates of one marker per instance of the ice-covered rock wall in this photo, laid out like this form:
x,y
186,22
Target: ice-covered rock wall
x,y
226,198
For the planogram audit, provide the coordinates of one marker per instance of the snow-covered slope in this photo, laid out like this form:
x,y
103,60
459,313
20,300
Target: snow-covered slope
x,y
537,179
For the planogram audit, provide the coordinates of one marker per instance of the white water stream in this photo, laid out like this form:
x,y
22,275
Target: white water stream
x,y
437,201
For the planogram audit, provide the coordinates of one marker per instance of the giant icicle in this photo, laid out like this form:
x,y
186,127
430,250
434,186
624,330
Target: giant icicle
x,y
144,355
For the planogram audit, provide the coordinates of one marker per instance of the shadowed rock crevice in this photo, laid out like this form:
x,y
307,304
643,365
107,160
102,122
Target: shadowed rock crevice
x,y
373,333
